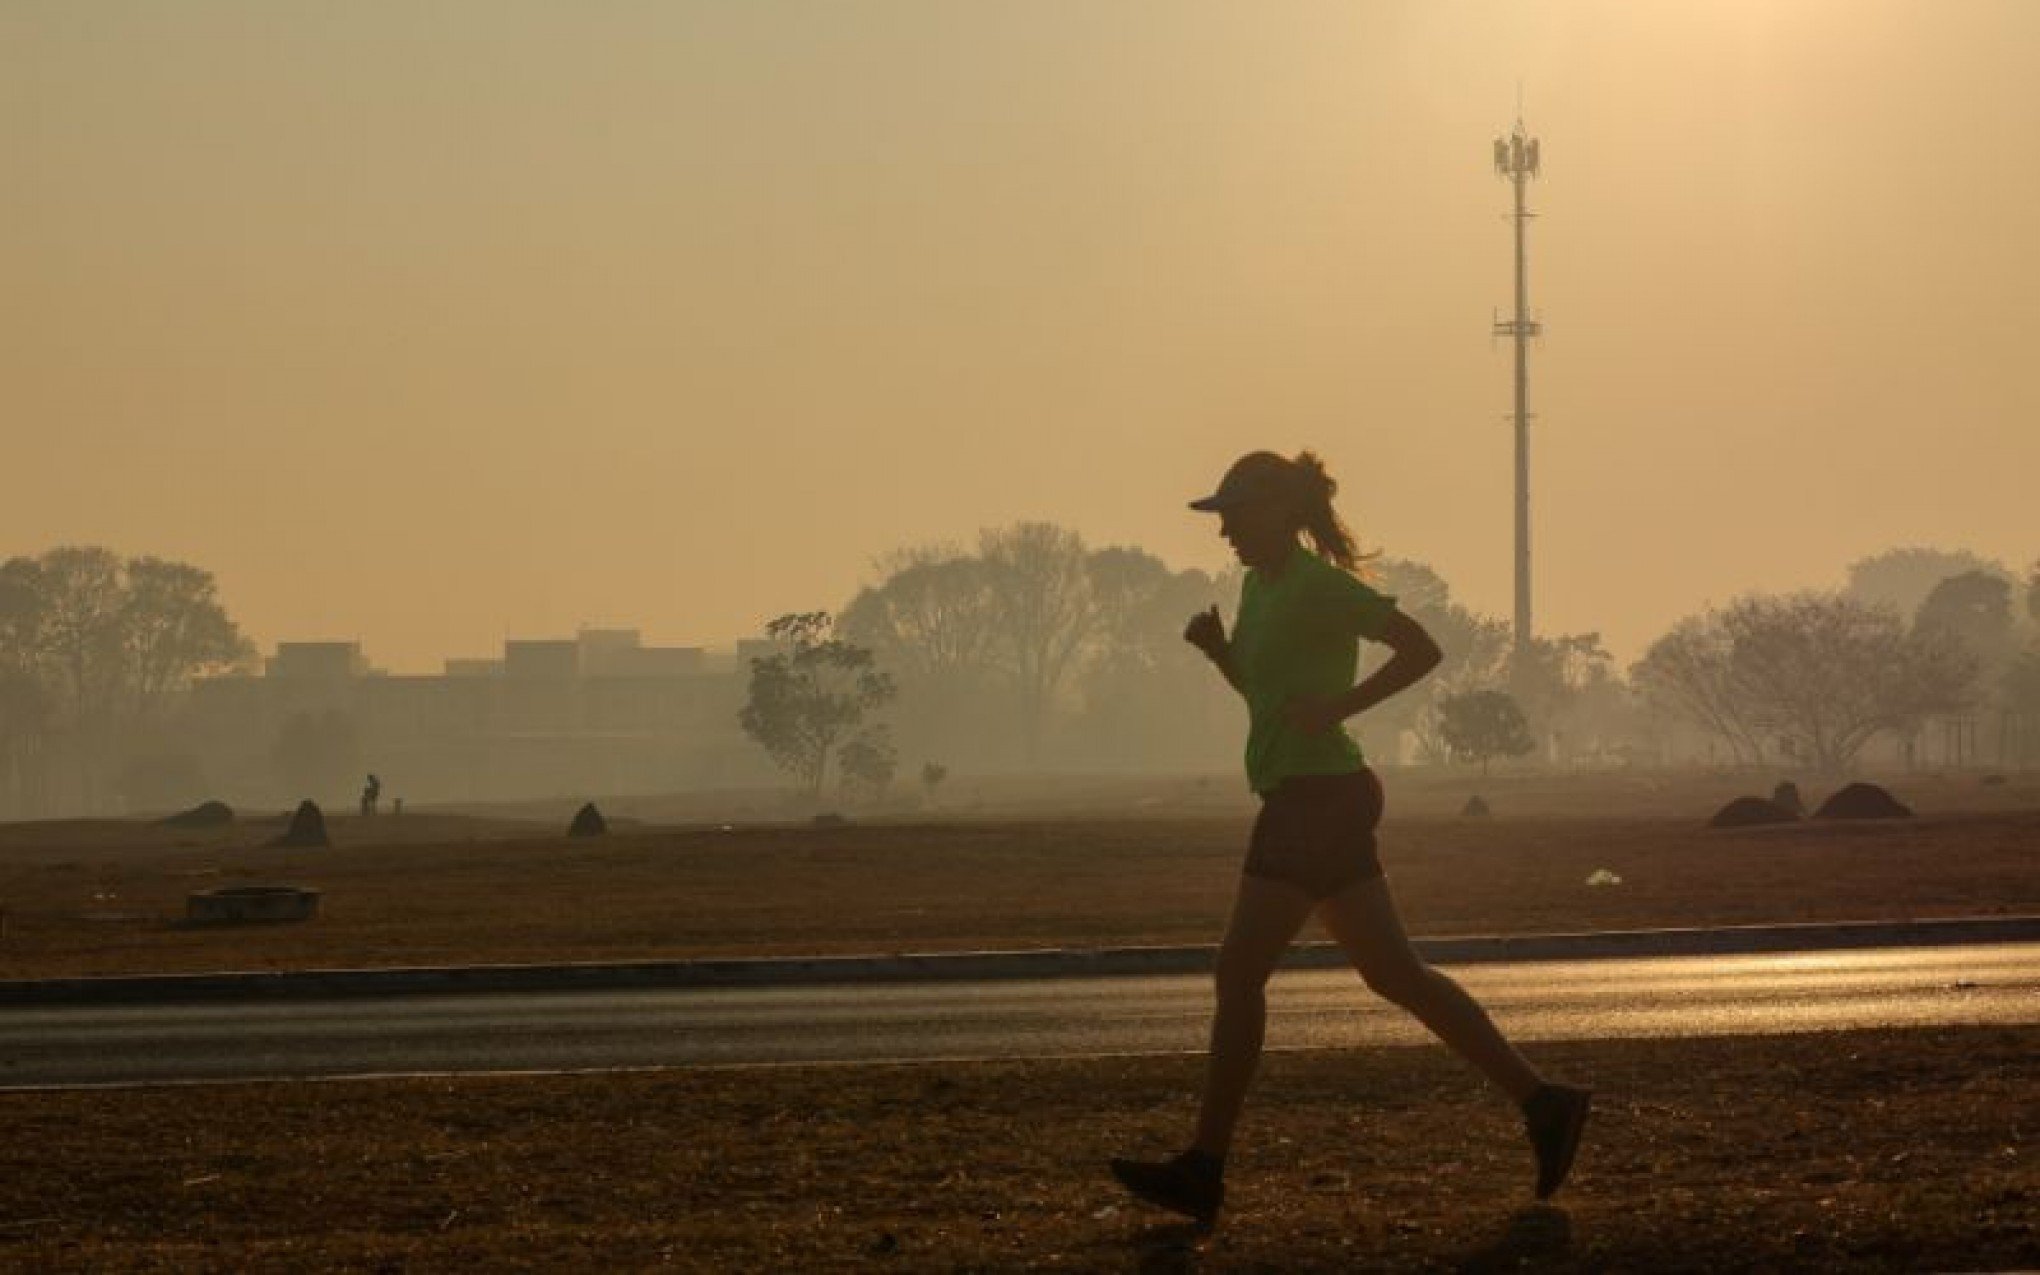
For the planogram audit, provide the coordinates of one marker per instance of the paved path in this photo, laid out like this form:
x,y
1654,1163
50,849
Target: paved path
x,y
973,967
503,1032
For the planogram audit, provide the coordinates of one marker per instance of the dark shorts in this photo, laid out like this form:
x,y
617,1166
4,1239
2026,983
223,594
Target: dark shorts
x,y
1316,832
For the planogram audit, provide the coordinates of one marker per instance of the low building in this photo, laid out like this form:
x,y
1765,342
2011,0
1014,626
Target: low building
x,y
599,714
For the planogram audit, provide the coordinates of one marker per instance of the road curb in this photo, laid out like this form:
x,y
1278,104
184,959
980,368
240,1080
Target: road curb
x,y
963,966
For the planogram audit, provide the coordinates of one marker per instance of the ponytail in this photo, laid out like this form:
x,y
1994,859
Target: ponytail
x,y
1314,491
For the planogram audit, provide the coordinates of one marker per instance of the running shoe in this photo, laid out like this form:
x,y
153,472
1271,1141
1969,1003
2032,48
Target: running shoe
x,y
1188,1183
1555,1115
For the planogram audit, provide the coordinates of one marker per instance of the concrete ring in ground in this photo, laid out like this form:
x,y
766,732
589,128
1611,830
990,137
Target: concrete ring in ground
x,y
252,903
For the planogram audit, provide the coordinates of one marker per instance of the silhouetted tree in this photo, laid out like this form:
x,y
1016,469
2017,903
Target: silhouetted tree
x,y
1560,682
1475,649
2020,688
1146,693
1974,611
172,627
24,727
868,763
96,649
1483,725
1902,578
932,614
1687,673
1416,587
1046,612
930,620
808,697
83,634
1976,607
1825,672
24,698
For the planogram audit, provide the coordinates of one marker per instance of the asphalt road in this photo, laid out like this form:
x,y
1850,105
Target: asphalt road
x,y
1667,996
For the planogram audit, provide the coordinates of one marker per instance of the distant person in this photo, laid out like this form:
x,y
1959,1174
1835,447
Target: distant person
x,y
371,794
1293,656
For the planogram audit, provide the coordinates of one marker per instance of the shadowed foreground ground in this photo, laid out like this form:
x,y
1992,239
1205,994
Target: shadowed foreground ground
x,y
1870,1151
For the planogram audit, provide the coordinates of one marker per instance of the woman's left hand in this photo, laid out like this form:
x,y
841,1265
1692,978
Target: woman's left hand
x,y
1313,715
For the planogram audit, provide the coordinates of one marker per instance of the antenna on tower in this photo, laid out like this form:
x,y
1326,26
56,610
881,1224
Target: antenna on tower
x,y
1517,158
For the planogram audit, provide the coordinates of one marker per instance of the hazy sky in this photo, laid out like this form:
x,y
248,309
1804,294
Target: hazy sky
x,y
433,324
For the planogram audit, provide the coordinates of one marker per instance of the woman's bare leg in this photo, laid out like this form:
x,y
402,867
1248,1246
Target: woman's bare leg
x,y
1266,916
1364,921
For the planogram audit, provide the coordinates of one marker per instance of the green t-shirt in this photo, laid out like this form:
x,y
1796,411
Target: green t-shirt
x,y
1298,634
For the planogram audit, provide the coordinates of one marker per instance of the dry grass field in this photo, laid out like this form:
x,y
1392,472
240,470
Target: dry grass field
x,y
1074,863
1867,1151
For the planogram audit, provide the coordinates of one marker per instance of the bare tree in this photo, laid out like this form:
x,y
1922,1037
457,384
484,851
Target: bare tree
x,y
932,613
1825,672
1687,674
24,699
1047,613
931,621
81,632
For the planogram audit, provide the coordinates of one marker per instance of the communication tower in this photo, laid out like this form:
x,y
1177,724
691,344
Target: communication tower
x,y
1516,158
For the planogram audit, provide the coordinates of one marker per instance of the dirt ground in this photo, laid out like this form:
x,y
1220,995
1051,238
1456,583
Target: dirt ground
x,y
1873,1151
1086,863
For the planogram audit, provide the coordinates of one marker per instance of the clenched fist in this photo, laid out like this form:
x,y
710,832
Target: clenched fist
x,y
1206,632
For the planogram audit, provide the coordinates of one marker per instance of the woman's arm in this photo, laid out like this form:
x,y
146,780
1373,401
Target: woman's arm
x,y
1414,655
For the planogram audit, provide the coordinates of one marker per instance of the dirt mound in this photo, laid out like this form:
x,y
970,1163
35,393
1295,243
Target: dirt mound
x,y
1749,812
1863,801
1786,794
588,822
307,828
208,814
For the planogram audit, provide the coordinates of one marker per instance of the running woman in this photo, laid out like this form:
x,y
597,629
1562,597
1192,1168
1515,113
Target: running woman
x,y
1293,656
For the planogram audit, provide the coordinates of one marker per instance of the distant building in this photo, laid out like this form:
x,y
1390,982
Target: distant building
x,y
551,659
619,653
598,714
317,660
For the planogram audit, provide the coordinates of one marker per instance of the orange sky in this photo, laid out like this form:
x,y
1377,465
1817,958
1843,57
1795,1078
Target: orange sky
x,y
434,324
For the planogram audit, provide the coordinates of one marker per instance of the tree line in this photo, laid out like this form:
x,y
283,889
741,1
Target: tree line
x,y
1032,649
1917,636
1035,649
95,653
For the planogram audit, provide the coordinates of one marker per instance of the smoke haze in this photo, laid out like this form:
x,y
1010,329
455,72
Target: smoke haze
x,y
433,325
